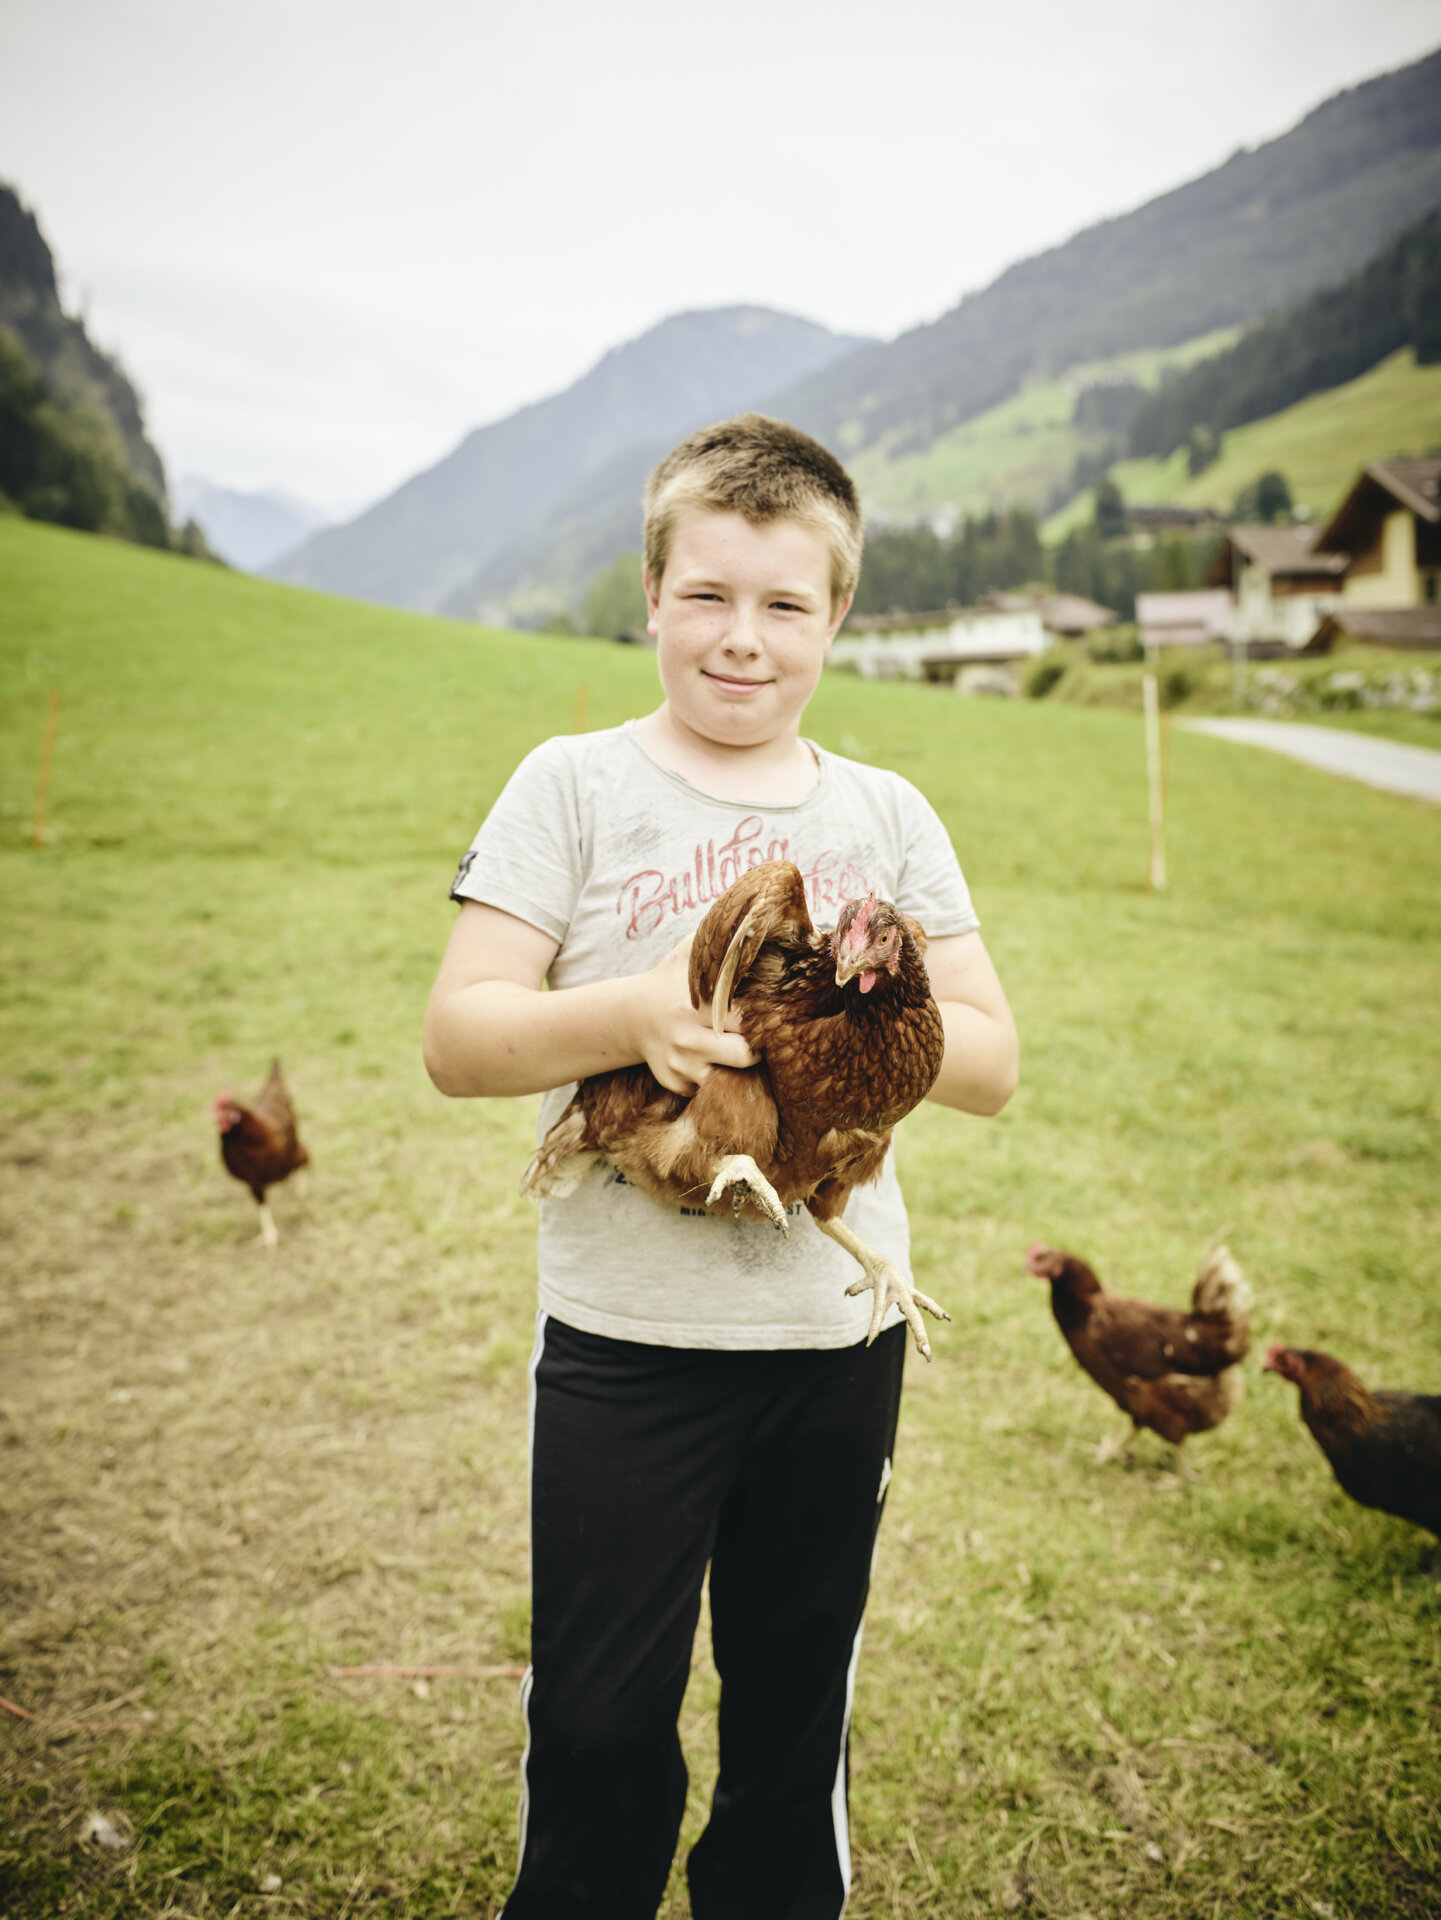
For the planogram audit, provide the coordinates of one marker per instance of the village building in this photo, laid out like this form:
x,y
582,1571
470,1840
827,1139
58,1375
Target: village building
x,y
1066,616
1389,529
1150,521
938,646
1282,585
1193,619
1390,525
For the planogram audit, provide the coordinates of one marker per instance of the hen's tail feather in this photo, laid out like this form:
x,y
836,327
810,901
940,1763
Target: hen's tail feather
x,y
560,1162
1221,1286
746,943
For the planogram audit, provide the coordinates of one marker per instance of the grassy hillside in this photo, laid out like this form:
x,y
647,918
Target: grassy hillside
x,y
1085,1688
1320,445
1014,454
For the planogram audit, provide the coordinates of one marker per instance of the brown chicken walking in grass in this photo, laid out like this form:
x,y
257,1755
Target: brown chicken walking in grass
x,y
1384,1447
850,1040
259,1143
1172,1371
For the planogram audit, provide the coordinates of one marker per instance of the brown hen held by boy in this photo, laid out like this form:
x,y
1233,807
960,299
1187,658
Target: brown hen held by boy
x,y
1171,1371
849,1040
1384,1447
259,1143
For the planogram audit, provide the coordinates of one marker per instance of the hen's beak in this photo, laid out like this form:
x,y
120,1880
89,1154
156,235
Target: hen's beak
x,y
848,969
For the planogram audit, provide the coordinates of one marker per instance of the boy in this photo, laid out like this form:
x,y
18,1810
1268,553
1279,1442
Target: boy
x,y
701,1392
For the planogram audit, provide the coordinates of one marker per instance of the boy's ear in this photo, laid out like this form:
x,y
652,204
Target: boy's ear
x,y
652,600
837,615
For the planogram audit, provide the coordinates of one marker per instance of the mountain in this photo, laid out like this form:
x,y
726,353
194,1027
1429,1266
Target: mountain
x,y
431,540
248,530
1335,336
73,368
1255,235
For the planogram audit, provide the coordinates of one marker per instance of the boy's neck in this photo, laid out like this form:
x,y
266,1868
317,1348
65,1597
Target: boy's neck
x,y
782,770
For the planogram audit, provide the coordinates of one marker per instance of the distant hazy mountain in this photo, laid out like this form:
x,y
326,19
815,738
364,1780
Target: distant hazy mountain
x,y
429,542
70,363
1249,238
248,530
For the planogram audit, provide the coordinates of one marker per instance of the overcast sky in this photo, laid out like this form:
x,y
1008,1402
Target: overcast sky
x,y
328,236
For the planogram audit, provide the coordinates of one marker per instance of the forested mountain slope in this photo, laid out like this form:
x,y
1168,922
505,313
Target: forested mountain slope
x,y
1394,301
72,366
430,538
1255,235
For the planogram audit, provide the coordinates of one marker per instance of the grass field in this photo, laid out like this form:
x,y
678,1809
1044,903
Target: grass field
x,y
1086,1690
1320,444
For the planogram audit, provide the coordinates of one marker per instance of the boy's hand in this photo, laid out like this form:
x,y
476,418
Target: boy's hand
x,y
675,1041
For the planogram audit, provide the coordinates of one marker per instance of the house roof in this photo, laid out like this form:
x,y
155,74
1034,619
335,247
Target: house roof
x,y
946,617
1418,627
1380,489
1151,518
1283,552
1195,614
1060,612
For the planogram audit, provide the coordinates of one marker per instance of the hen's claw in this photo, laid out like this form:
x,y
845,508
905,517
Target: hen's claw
x,y
890,1285
739,1174
893,1289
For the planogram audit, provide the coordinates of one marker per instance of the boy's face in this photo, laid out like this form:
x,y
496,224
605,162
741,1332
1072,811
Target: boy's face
x,y
743,622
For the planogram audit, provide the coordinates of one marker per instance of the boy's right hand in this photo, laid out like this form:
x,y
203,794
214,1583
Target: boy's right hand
x,y
673,1038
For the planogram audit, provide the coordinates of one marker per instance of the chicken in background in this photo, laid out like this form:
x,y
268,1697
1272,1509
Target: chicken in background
x,y
259,1143
849,1040
1384,1447
1172,1371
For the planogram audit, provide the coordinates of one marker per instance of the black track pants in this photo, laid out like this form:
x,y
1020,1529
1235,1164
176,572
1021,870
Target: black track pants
x,y
647,1462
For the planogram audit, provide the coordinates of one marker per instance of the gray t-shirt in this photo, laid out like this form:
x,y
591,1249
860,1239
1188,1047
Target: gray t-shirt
x,y
617,858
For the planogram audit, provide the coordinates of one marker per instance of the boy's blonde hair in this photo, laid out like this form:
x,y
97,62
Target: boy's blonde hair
x,y
764,470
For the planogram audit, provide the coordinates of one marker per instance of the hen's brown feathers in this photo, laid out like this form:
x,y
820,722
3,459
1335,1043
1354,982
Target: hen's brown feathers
x,y
261,1145
1384,1446
840,1062
1174,1372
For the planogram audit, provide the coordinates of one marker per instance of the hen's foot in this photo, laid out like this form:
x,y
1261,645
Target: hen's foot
x,y
268,1236
739,1176
890,1286
1115,1446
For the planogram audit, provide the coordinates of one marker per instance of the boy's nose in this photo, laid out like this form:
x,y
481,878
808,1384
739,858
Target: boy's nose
x,y
741,635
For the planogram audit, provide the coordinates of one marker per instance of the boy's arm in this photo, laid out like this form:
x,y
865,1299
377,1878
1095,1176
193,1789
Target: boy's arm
x,y
982,1060
489,1029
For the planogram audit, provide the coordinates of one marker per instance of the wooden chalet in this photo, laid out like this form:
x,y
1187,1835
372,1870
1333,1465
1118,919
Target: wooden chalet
x,y
937,646
1390,526
1281,583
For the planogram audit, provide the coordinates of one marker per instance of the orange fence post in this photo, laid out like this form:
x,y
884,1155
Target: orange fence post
x,y
582,706
47,758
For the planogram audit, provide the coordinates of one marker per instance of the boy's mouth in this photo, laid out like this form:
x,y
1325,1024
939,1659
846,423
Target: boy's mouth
x,y
727,684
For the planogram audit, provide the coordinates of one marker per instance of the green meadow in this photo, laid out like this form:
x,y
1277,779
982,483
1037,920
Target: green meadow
x,y
1086,1689
1320,444
1015,453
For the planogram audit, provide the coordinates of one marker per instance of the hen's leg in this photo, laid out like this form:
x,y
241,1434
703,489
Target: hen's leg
x,y
268,1236
890,1286
1115,1446
739,1174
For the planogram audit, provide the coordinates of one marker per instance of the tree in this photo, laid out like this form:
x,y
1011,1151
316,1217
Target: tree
x,y
1173,571
1267,499
1203,449
1110,511
615,602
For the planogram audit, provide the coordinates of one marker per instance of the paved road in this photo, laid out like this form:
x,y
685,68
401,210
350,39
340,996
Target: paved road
x,y
1414,771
